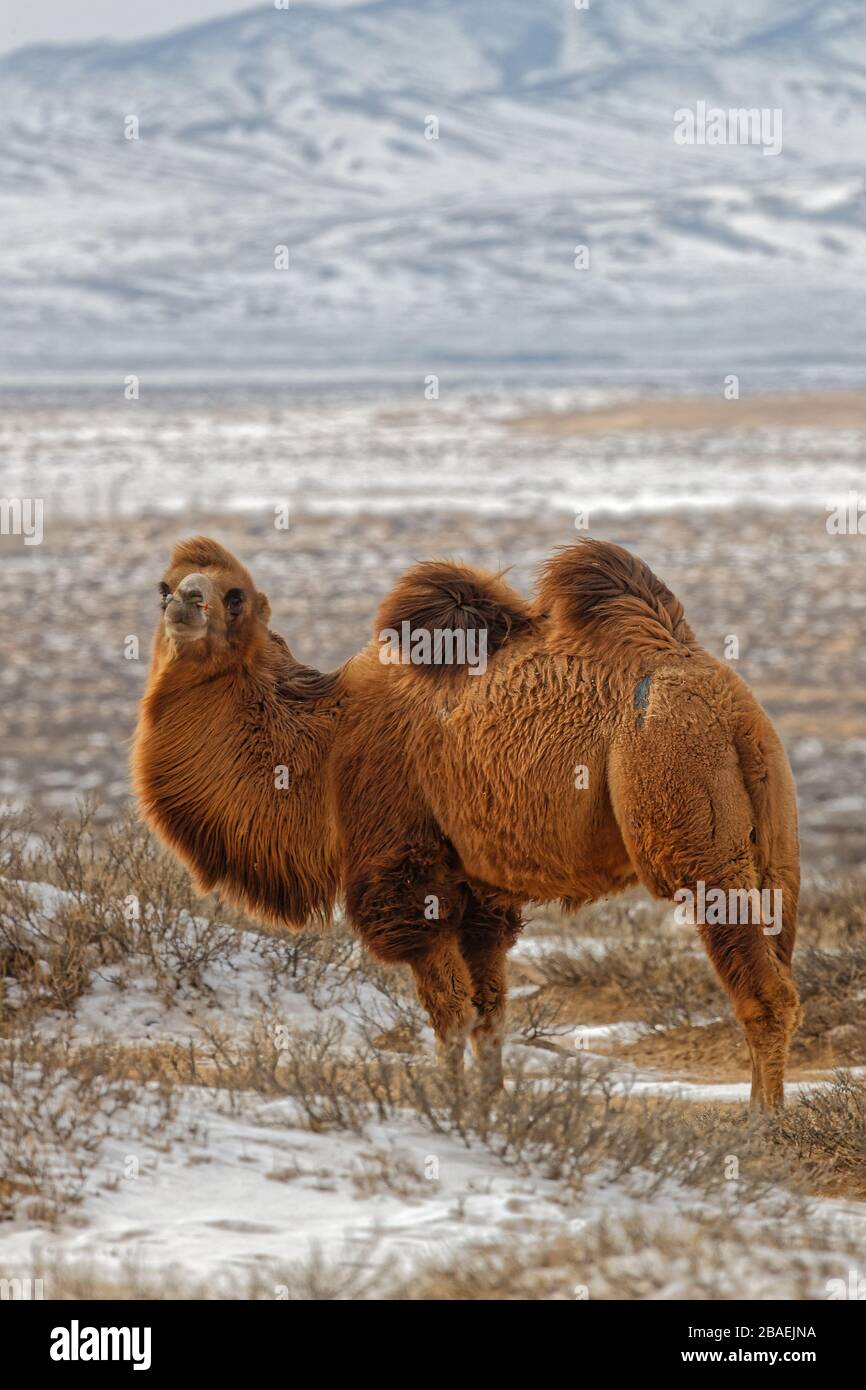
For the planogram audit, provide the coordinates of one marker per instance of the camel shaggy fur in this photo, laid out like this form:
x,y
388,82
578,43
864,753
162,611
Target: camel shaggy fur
x,y
596,746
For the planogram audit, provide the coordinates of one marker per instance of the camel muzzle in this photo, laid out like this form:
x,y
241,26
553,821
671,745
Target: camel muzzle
x,y
185,612
187,609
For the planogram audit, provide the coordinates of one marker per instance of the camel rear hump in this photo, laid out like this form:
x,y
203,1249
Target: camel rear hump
x,y
596,596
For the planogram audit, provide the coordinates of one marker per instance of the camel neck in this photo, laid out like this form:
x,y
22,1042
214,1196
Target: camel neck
x,y
231,770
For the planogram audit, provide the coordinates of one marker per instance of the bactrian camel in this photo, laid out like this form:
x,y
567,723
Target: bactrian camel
x,y
599,747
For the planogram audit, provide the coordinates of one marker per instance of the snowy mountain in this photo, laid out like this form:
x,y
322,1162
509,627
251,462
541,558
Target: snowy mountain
x,y
311,129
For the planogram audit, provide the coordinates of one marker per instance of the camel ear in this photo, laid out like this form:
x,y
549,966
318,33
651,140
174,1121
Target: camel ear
x,y
263,608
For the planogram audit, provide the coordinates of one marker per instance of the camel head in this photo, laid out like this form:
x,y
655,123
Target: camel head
x,y
211,609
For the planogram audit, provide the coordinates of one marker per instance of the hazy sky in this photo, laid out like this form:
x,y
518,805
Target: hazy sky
x,y
72,21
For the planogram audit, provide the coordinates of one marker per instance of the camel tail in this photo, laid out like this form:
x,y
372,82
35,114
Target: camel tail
x,y
441,617
597,592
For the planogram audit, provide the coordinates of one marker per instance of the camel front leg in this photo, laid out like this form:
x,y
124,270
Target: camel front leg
x,y
487,933
387,905
487,966
444,988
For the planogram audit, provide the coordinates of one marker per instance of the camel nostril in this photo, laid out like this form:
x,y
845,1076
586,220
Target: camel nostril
x,y
186,608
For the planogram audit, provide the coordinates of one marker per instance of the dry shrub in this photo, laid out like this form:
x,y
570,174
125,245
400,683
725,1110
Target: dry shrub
x,y
674,1254
659,976
658,980
692,1255
833,914
352,1274
316,962
268,1060
824,1131
58,1106
380,1170
539,1018
53,1126
830,967
564,1125
81,896
832,987
52,1132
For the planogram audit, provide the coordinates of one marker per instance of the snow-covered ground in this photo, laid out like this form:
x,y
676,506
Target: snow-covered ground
x,y
236,1190
257,1191
349,454
250,1198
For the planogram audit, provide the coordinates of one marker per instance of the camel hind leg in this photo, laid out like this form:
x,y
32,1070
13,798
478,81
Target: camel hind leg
x,y
763,996
686,821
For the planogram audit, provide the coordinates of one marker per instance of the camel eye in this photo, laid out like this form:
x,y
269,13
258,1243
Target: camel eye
x,y
234,601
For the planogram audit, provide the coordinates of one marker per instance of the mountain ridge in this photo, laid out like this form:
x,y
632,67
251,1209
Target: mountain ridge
x,y
306,128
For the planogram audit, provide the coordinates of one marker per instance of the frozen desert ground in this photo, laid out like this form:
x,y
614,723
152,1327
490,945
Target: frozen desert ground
x,y
231,445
